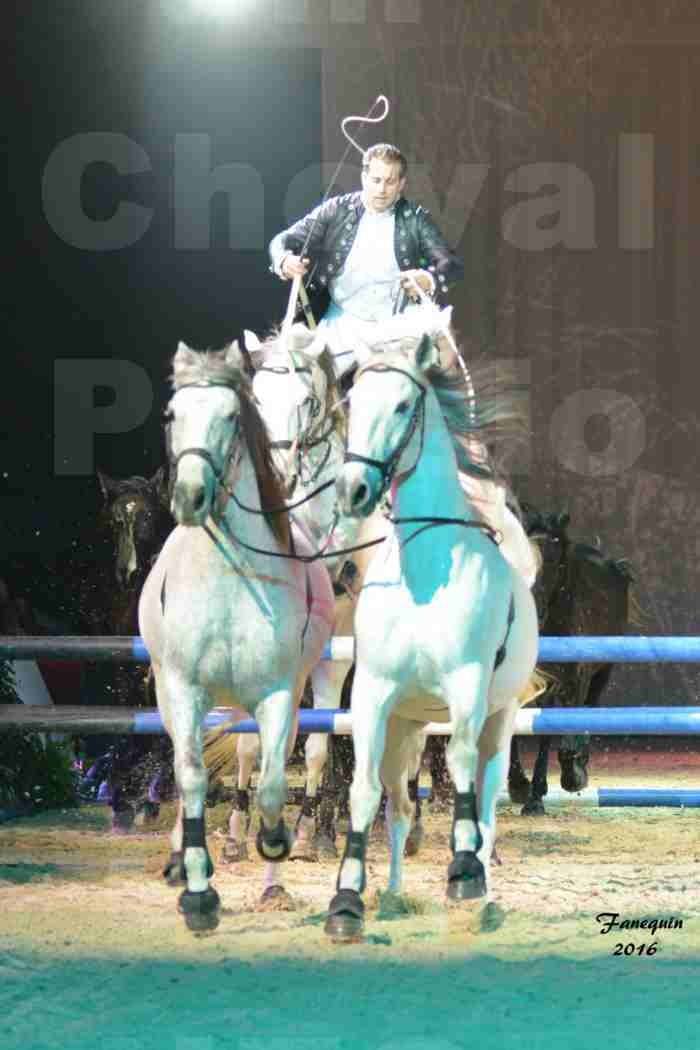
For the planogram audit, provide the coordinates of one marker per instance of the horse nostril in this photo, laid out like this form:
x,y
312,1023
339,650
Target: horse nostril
x,y
359,495
198,501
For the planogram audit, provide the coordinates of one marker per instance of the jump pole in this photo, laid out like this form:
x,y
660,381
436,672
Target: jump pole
x,y
552,649
555,721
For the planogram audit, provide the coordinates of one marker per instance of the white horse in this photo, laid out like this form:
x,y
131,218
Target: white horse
x,y
297,400
446,628
225,624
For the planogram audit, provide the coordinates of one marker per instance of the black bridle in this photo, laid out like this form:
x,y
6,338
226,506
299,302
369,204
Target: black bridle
x,y
220,474
387,467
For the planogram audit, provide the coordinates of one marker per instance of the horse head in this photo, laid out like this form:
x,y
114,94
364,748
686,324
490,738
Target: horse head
x,y
136,514
549,531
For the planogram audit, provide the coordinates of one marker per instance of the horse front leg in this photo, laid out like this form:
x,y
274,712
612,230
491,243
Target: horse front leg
x,y
404,741
466,694
371,705
276,721
198,903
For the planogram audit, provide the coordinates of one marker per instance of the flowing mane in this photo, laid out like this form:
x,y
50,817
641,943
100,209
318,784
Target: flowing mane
x,y
227,366
494,413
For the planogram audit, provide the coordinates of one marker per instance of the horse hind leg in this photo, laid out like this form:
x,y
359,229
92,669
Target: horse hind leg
x,y
404,741
492,774
327,681
235,848
415,835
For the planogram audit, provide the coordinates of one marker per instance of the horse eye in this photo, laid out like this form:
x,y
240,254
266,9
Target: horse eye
x,y
402,407
168,416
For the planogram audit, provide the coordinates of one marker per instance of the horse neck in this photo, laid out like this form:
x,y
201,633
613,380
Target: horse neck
x,y
433,488
248,526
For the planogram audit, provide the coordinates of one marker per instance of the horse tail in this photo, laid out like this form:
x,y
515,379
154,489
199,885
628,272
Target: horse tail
x,y
637,615
537,684
219,753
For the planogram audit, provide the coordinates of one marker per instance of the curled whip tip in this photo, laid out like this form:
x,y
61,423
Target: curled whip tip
x,y
368,119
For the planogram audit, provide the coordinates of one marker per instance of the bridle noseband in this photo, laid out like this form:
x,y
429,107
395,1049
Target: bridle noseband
x,y
387,468
204,453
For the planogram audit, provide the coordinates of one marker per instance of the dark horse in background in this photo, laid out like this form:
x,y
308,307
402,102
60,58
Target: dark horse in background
x,y
579,591
135,516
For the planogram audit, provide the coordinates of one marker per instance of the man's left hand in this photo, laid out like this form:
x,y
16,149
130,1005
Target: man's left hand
x,y
409,278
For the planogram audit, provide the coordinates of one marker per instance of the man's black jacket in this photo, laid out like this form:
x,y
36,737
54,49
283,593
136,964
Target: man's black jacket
x,y
418,243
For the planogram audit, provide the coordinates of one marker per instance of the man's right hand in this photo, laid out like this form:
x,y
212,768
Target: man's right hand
x,y
294,266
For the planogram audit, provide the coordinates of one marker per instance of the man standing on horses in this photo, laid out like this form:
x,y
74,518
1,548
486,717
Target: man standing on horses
x,y
363,251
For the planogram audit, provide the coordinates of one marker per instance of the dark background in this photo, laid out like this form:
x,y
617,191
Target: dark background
x,y
80,68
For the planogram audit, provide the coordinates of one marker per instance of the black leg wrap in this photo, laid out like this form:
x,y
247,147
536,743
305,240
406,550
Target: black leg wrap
x,y
355,849
242,800
274,845
466,879
194,836
465,809
309,805
413,796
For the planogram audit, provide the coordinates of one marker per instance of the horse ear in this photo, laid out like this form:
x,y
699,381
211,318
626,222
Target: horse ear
x,y
251,341
233,355
183,352
426,354
159,482
106,484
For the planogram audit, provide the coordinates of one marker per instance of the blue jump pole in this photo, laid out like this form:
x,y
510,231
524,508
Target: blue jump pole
x,y
552,649
555,721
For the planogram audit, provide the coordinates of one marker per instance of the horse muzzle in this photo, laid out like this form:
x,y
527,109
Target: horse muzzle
x,y
358,490
191,502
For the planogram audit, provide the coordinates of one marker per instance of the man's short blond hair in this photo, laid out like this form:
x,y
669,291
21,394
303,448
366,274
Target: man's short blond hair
x,y
389,154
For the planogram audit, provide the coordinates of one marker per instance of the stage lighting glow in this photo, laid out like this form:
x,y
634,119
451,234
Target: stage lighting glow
x,y
221,7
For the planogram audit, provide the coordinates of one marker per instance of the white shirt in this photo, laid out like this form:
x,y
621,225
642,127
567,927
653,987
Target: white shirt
x,y
368,286
364,293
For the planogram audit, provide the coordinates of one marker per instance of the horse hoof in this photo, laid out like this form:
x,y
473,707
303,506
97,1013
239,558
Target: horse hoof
x,y
200,910
466,889
276,898
274,845
234,852
466,878
326,847
304,849
518,791
414,840
533,808
345,921
574,779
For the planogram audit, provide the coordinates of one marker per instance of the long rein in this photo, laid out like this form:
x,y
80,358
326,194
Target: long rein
x,y
387,469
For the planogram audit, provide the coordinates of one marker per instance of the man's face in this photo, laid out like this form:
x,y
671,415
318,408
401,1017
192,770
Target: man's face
x,y
382,185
